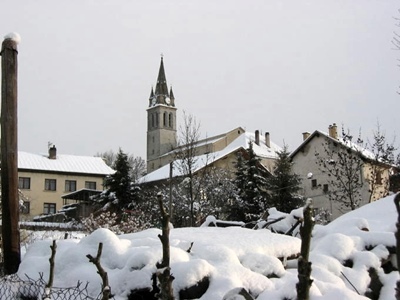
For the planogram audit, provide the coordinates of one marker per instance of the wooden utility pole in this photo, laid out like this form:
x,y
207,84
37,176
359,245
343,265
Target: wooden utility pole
x,y
9,156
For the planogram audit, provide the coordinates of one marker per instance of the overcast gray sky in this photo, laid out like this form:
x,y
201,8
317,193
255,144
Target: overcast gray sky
x,y
284,66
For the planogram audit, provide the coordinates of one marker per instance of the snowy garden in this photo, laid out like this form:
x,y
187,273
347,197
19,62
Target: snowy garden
x,y
353,257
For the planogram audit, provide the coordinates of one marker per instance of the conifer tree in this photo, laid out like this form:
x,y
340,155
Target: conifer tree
x,y
120,188
284,185
236,210
251,187
255,190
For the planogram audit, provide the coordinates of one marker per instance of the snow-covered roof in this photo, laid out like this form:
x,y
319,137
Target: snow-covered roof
x,y
261,150
345,143
241,142
63,163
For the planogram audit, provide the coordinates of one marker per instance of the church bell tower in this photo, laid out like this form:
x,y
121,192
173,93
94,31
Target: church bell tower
x,y
161,122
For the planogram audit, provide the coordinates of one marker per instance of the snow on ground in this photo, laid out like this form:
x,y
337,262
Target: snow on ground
x,y
233,257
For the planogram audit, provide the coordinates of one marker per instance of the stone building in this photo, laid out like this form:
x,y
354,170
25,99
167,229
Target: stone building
x,y
219,150
316,181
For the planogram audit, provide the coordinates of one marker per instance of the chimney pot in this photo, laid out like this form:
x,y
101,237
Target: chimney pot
x,y
53,152
267,140
305,135
333,131
257,137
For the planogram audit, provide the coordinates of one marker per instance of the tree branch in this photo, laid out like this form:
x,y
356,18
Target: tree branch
x,y
106,290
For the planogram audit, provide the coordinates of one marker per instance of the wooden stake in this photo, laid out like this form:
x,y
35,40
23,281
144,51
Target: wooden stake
x,y
304,265
164,271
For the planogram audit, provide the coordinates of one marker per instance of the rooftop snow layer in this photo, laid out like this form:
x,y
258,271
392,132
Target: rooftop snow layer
x,y
63,163
241,141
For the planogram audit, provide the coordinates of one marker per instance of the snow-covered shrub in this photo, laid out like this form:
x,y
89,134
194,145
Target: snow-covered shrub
x,y
126,222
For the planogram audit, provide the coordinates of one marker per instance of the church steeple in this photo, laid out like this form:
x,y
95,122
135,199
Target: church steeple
x,y
161,95
161,122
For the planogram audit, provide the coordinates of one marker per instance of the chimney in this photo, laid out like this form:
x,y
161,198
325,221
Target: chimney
x,y
53,152
333,131
305,135
267,140
257,138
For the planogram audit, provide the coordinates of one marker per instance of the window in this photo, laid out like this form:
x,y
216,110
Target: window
x,y
24,183
378,177
50,184
49,208
70,185
26,207
90,185
314,183
325,188
165,119
171,122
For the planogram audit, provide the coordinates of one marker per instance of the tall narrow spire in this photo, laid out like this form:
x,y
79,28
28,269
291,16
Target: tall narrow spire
x,y
161,87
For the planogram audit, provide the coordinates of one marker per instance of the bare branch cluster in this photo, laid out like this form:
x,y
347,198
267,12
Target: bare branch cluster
x,y
343,165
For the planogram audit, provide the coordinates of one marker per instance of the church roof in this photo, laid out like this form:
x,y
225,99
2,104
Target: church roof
x,y
241,142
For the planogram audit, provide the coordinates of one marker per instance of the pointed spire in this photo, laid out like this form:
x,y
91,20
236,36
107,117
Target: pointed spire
x,y
172,97
151,96
161,87
151,93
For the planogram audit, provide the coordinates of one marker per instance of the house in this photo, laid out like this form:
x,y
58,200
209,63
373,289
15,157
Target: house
x,y
317,182
219,150
45,178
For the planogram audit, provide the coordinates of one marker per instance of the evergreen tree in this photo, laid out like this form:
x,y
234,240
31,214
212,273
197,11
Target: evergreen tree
x,y
236,209
255,189
284,185
121,191
251,187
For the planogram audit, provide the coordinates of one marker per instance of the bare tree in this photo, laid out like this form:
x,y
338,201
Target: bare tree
x,y
137,163
383,154
189,135
342,162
